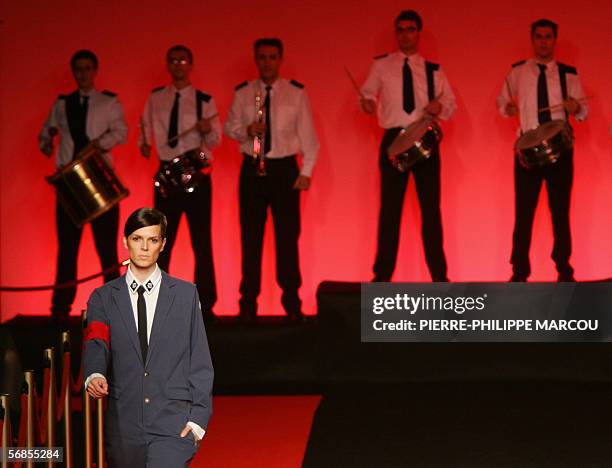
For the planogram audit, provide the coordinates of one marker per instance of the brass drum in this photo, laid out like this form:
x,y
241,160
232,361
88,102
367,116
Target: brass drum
x,y
542,146
87,187
414,144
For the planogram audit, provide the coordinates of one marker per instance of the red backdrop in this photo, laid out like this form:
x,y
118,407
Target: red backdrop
x,y
476,42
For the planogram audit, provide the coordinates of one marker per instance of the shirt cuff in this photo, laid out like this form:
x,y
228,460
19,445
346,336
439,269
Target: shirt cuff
x,y
197,430
92,376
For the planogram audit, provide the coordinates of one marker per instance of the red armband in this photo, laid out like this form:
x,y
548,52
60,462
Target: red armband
x,y
97,331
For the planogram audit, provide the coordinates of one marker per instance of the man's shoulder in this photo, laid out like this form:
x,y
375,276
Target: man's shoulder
x,y
202,96
241,86
518,64
292,86
381,57
567,68
65,96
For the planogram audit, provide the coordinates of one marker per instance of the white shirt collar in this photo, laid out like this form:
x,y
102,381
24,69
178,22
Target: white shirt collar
x,y
150,284
549,65
183,91
88,93
412,58
262,85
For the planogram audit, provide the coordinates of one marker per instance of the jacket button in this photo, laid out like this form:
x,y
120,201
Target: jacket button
x,y
147,400
146,374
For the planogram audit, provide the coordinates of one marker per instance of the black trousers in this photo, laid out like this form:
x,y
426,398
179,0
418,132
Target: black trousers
x,y
256,194
197,205
393,185
527,185
104,229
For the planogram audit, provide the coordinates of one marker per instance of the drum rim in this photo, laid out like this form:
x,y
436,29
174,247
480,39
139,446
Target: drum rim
x,y
70,166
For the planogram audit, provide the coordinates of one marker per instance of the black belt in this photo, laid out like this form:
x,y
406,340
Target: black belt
x,y
273,161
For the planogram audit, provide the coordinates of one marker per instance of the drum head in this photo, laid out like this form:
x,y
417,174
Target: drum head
x,y
536,136
408,137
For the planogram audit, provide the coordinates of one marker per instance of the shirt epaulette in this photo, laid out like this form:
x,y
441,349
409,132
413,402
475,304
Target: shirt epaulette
x,y
109,93
434,66
567,68
519,63
381,56
62,96
297,84
159,88
202,96
241,85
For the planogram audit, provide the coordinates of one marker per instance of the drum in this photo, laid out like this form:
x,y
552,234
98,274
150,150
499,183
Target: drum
x,y
542,146
87,187
414,144
181,172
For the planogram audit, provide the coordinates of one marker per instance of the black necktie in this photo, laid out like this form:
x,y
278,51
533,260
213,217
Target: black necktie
x,y
543,96
173,127
268,136
408,88
142,323
80,135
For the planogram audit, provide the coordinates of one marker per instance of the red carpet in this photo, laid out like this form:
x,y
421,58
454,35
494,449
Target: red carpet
x,y
257,431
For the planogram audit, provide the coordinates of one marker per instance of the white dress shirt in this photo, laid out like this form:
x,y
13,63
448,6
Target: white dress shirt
x,y
105,120
385,84
292,127
151,293
156,120
522,83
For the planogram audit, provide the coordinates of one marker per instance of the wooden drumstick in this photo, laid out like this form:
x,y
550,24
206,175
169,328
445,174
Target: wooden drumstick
x,y
355,85
563,104
190,129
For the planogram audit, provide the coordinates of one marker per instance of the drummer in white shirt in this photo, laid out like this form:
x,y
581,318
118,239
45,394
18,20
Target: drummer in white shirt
x,y
180,119
405,88
540,90
85,116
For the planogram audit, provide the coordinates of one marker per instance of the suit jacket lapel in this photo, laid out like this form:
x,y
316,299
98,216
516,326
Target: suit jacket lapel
x,y
121,296
164,303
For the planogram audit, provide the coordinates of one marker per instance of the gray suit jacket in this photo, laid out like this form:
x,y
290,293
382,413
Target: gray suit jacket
x,y
175,384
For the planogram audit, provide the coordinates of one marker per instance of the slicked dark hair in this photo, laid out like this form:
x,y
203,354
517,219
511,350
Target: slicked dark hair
x,y
410,15
179,47
144,217
268,41
83,54
544,23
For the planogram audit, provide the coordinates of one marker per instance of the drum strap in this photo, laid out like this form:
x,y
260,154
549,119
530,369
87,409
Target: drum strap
x,y
200,98
430,68
563,80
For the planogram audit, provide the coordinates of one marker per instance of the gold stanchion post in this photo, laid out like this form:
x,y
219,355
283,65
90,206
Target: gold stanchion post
x,y
49,358
100,416
29,381
67,401
87,411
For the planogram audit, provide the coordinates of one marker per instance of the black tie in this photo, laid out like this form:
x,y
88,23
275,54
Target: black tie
x,y
268,136
80,138
408,88
142,324
543,116
173,127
